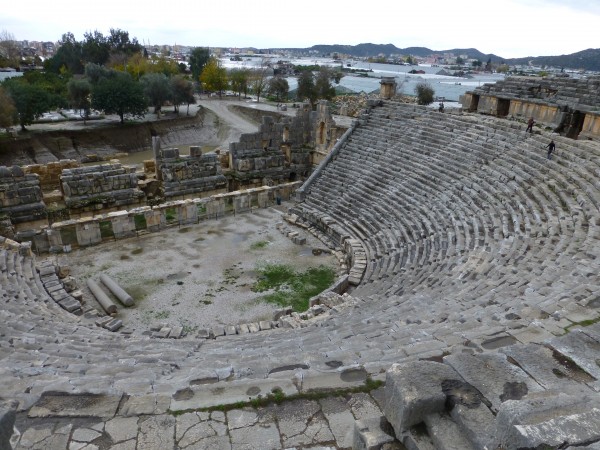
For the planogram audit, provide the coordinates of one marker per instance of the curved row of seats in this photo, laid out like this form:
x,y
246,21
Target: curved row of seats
x,y
465,202
469,231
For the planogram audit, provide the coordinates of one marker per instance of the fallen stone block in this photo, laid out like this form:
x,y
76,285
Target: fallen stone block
x,y
265,325
176,332
414,390
113,325
548,421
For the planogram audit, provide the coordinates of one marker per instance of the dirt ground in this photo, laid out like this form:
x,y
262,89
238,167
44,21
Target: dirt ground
x,y
196,276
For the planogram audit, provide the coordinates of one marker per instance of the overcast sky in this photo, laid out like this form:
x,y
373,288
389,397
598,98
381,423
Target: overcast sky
x,y
508,28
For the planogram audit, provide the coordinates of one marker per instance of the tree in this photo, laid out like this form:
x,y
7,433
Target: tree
x,y
119,94
258,79
157,89
238,80
31,101
95,48
424,93
323,87
306,87
9,50
279,87
161,64
79,92
182,91
137,66
119,42
477,63
213,76
95,73
68,57
459,61
198,59
7,109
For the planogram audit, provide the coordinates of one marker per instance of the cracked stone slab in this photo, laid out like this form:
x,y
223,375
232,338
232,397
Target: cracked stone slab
x,y
122,428
45,438
260,436
79,405
340,419
196,429
302,423
157,433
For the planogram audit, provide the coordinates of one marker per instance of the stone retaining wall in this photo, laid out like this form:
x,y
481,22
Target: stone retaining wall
x,y
20,195
98,187
63,236
185,176
49,174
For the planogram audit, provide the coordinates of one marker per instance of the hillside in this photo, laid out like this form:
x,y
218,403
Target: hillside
x,y
586,59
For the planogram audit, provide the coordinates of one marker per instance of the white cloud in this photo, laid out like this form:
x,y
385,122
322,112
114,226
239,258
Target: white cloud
x,y
511,28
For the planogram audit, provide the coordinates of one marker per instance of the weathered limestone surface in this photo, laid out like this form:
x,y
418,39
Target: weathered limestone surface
x,y
466,240
190,175
102,186
20,195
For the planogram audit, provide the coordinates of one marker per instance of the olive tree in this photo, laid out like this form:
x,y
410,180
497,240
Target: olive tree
x,y
79,93
157,89
119,94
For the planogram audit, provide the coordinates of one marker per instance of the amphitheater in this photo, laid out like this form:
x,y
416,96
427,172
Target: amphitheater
x,y
472,293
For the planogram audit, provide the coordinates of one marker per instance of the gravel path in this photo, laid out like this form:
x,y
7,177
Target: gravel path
x,y
196,276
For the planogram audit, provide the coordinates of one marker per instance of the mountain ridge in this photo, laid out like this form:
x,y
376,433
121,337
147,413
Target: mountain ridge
x,y
588,59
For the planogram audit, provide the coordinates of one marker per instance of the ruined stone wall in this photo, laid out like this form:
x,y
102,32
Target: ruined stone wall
x,y
281,151
195,175
49,174
20,195
99,187
566,104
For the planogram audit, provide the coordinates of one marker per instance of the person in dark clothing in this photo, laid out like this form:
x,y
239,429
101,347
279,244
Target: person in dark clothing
x,y
551,147
530,123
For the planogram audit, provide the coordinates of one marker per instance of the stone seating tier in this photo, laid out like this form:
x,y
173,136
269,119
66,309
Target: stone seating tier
x,y
465,238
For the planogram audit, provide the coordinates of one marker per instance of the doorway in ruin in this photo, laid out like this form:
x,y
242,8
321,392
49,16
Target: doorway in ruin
x,y
474,103
575,125
503,107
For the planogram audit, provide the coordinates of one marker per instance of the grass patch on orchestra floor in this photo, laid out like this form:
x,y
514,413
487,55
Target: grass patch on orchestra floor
x,y
259,245
286,287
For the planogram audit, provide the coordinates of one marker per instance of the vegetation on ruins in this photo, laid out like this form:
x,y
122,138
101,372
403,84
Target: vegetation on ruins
x,y
277,396
286,287
424,93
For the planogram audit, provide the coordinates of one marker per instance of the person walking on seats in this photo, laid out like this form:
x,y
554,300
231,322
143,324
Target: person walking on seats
x,y
551,147
530,123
